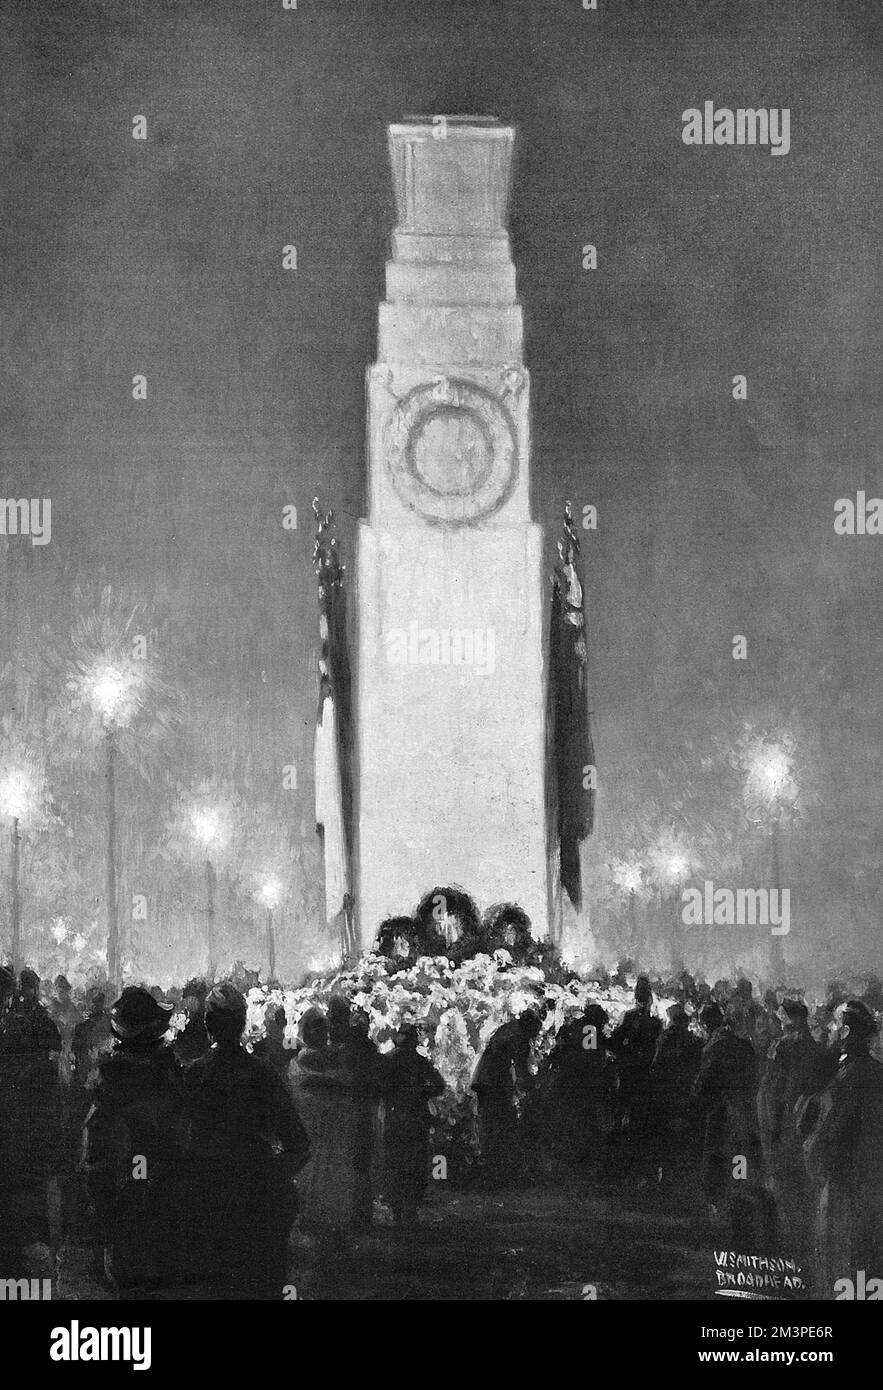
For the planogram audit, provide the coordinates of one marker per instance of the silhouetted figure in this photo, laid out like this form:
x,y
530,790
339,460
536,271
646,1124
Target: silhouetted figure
x,y
271,1047
30,1046
767,1029
744,1011
90,1036
410,1081
65,1015
8,1237
363,1067
842,1126
132,1148
193,1040
672,1073
792,1071
323,1093
725,1094
245,1145
634,1045
501,1076
578,1084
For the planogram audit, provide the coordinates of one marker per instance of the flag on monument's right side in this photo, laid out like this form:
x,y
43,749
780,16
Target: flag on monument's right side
x,y
333,748
572,754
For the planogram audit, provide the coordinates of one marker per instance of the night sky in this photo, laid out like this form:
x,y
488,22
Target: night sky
x,y
267,128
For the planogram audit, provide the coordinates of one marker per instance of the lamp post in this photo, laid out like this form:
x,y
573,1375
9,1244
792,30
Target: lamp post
x,y
207,830
18,795
771,783
270,895
675,870
114,691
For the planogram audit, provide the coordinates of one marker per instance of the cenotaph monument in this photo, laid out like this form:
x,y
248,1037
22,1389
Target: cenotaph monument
x,y
450,593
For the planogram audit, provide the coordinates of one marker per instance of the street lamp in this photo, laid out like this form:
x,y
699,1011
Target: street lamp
x,y
772,785
208,829
675,869
114,689
19,798
628,878
270,895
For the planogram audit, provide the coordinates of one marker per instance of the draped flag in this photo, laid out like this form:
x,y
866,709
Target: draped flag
x,y
571,751
334,734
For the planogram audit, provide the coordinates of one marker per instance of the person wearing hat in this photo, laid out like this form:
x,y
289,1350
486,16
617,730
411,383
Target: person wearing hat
x,y
792,1070
410,1081
193,1041
500,1080
132,1147
245,1145
725,1096
842,1129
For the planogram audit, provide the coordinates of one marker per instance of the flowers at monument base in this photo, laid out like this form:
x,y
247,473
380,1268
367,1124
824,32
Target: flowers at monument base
x,y
456,1010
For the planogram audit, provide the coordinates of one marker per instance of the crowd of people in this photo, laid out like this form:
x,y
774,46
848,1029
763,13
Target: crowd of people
x,y
180,1168
172,1166
778,1121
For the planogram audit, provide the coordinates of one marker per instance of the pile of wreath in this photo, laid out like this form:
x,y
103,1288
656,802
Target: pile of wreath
x,y
447,922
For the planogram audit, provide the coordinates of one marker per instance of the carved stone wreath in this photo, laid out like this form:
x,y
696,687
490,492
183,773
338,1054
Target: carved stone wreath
x,y
451,451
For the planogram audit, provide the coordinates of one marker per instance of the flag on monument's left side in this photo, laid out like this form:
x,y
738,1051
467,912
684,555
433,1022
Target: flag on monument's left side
x,y
572,755
334,734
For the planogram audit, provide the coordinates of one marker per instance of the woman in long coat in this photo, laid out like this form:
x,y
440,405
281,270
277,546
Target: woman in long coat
x,y
323,1094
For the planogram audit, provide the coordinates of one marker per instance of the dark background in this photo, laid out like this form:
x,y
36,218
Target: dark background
x,y
265,128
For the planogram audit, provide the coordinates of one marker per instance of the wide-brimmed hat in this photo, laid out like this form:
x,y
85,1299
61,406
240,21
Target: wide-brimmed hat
x,y
136,1014
858,1018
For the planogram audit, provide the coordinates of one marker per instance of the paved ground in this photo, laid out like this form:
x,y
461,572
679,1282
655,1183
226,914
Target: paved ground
x,y
545,1242
557,1239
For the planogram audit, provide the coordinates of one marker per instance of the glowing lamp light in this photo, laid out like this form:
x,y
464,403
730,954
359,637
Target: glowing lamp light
x,y
113,691
628,877
206,826
17,794
270,893
772,770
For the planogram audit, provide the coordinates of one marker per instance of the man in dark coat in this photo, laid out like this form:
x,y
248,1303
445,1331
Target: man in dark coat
x,y
245,1144
725,1095
672,1072
634,1046
501,1076
578,1085
843,1131
8,1238
193,1041
132,1148
363,1067
30,1045
91,1036
792,1070
410,1081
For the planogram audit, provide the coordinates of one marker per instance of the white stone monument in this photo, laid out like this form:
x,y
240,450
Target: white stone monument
x,y
450,711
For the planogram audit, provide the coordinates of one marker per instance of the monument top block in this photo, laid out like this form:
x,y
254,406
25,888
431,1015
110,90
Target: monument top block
x,y
451,175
